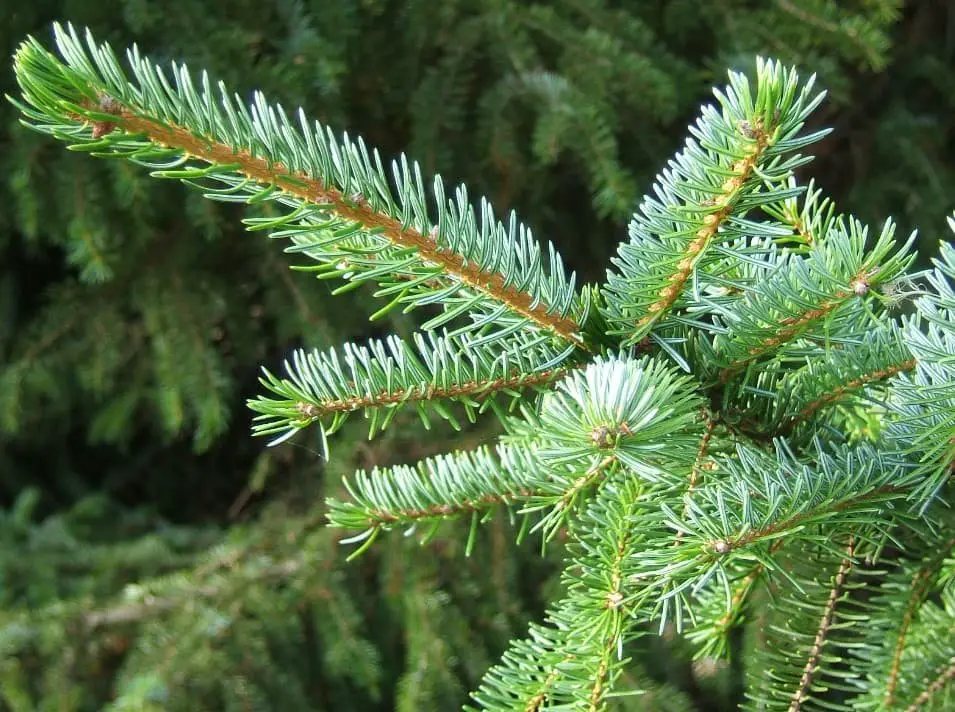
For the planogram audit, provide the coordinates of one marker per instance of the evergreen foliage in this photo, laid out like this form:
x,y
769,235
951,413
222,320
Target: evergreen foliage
x,y
663,422
508,96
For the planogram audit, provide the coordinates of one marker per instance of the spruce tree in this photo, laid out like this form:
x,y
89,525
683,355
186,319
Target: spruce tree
x,y
735,430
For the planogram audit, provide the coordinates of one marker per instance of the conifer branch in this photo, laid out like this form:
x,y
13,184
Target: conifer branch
x,y
539,699
808,292
925,400
815,651
702,196
702,454
719,612
740,172
810,215
900,648
344,213
355,209
723,546
574,660
919,585
566,503
944,677
773,306
435,489
758,500
847,389
785,399
615,602
382,376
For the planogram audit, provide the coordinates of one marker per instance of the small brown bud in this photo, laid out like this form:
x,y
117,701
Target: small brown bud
x,y
307,410
102,128
108,105
604,437
721,547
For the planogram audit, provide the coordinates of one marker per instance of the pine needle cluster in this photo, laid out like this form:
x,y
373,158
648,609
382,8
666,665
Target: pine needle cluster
x,y
738,429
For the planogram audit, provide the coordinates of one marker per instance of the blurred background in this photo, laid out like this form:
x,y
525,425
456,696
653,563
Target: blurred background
x,y
153,556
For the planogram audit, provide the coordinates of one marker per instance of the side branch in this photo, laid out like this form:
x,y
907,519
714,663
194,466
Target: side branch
x,y
742,170
793,326
702,453
539,699
615,605
724,546
846,389
945,677
473,389
699,464
815,652
354,208
921,581
379,517
740,592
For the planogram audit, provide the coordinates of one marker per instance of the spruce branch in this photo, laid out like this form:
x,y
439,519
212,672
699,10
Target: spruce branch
x,y
809,294
340,208
434,490
919,585
718,613
382,376
929,677
814,658
756,499
937,685
638,415
890,642
759,476
574,660
809,634
810,215
924,400
848,388
701,197
789,401
700,462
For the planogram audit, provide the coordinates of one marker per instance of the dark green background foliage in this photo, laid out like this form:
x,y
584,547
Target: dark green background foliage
x,y
153,554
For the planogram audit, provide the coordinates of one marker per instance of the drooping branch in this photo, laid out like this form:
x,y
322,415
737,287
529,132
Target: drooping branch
x,y
738,597
815,652
699,463
944,677
919,585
